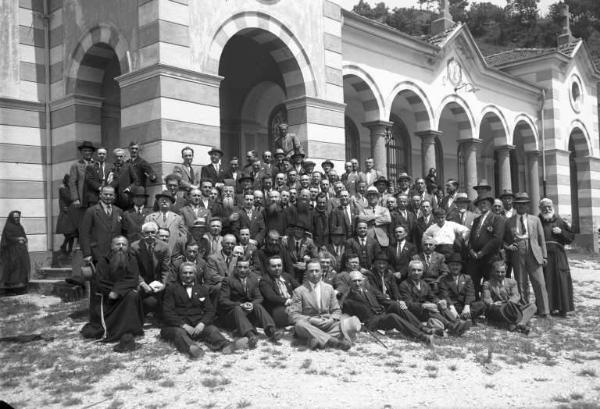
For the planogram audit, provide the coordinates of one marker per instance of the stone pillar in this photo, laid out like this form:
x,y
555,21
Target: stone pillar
x,y
428,149
558,181
505,180
533,181
319,124
166,108
378,150
469,148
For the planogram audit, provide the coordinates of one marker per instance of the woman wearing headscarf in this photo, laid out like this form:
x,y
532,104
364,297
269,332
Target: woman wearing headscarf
x,y
14,256
65,224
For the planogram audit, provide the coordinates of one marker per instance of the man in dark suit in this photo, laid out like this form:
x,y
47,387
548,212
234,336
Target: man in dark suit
x,y
122,178
190,175
77,185
485,241
301,249
461,213
133,219
233,171
252,218
447,202
434,266
423,222
188,314
140,166
379,312
365,246
344,216
96,175
421,301
100,224
401,253
382,277
215,171
153,259
277,288
526,245
240,305
337,248
404,217
194,209
458,291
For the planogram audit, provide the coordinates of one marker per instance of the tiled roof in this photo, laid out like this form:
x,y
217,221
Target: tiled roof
x,y
519,54
568,48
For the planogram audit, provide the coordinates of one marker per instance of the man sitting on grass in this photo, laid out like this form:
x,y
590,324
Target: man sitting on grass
x,y
188,314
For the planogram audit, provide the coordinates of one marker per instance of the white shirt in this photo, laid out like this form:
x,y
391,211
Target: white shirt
x,y
447,233
317,289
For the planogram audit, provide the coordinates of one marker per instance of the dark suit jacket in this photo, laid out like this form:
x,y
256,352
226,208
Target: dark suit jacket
x,y
320,228
77,184
409,223
179,308
367,254
270,290
123,178
256,224
339,219
98,229
155,266
141,167
233,293
420,229
432,271
413,296
261,260
210,173
489,238
399,260
132,223
365,305
391,286
457,295
95,178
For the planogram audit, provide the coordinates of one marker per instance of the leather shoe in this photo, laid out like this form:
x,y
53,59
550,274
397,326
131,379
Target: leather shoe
x,y
523,329
252,341
460,327
342,344
428,340
196,351
276,335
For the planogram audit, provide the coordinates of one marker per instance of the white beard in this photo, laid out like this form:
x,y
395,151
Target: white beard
x,y
548,216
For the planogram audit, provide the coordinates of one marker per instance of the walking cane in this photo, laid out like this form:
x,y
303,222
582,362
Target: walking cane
x,y
377,338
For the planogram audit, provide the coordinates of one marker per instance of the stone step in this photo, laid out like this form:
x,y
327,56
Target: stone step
x,y
53,273
43,286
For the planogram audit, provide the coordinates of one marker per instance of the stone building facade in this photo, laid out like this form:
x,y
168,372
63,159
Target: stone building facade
x,y
171,73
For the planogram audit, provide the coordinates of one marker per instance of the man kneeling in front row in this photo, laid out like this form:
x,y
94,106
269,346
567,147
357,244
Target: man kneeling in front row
x,y
316,314
188,314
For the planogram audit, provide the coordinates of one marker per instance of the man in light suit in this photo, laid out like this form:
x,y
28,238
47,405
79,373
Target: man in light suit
x,y
101,223
370,175
222,263
316,313
194,209
377,218
153,258
215,171
461,213
190,175
525,242
166,219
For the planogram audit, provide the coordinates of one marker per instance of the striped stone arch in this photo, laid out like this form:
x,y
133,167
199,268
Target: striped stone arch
x,y
497,123
461,112
367,89
94,49
280,42
418,101
581,139
525,132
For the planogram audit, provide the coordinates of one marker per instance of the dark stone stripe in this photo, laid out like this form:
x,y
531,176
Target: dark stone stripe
x,y
164,31
31,36
66,152
55,5
56,72
95,61
32,72
140,91
333,43
88,87
57,36
19,117
22,153
36,5
169,87
164,129
32,225
184,2
19,189
332,10
76,113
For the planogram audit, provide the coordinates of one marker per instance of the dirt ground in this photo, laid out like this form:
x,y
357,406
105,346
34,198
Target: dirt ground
x,y
557,365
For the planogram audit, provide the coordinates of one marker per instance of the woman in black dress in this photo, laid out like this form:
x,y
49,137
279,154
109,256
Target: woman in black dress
x,y
14,257
65,224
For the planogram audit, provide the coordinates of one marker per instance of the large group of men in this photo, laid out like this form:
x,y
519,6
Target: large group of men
x,y
278,244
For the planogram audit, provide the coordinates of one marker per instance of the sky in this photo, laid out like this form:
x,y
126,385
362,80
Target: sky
x,y
543,5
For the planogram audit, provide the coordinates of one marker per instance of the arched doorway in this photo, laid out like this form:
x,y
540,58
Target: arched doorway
x,y
96,78
352,139
579,183
493,162
458,161
399,149
259,74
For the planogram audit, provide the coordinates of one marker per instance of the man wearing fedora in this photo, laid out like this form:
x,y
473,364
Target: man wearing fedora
x,y
377,218
189,174
214,171
526,247
457,289
122,178
134,217
77,185
96,176
167,219
504,303
404,180
485,241
507,198
316,314
461,213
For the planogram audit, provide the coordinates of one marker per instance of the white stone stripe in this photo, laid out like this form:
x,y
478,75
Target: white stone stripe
x,y
21,171
147,13
324,133
28,18
83,132
177,55
31,54
56,19
31,91
332,26
167,108
56,54
19,135
173,12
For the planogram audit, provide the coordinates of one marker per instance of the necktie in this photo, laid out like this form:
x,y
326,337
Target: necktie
x,y
462,218
228,260
427,260
191,174
109,210
523,228
245,286
164,217
363,242
141,211
217,168
398,250
213,247
298,249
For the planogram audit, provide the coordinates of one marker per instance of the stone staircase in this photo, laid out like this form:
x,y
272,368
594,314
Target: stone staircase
x,y
51,280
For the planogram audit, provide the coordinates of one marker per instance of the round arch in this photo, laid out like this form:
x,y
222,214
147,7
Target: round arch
x,y
366,87
418,101
101,34
461,113
497,123
581,139
285,49
525,128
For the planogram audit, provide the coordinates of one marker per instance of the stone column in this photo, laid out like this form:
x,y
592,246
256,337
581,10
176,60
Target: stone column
x,y
378,150
533,181
428,149
469,147
505,180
